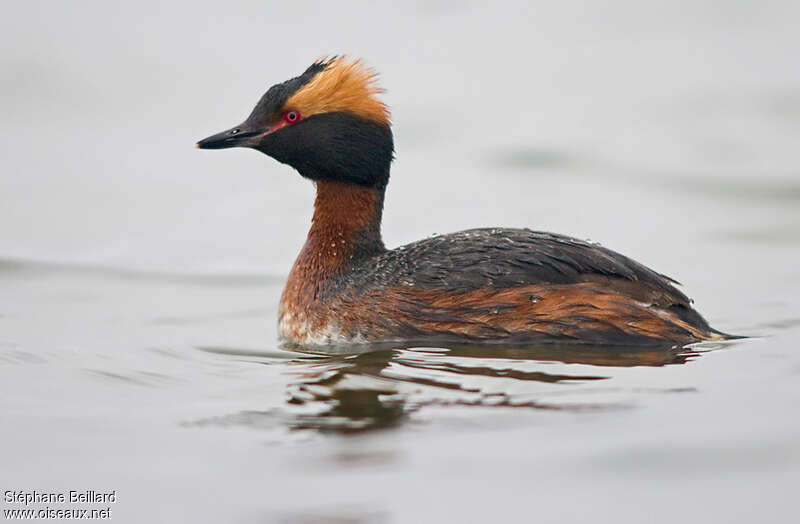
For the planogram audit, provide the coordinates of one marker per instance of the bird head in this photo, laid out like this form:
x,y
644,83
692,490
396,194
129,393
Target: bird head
x,y
327,123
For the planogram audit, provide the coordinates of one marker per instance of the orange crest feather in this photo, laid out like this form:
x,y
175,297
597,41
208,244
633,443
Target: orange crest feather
x,y
343,86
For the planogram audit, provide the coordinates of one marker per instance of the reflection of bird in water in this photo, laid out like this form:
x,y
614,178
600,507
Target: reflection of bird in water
x,y
379,389
478,285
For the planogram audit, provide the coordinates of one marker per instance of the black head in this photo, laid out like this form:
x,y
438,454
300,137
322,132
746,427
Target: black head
x,y
326,123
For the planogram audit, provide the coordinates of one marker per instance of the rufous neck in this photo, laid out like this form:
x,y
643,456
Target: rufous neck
x,y
347,221
345,229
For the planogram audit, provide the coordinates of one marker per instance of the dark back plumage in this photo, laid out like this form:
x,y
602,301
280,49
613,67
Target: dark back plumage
x,y
504,258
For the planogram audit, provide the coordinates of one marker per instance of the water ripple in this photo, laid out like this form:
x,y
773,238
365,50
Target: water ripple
x,y
31,268
385,388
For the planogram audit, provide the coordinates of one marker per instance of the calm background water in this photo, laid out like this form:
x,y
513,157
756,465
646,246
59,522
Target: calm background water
x,y
139,277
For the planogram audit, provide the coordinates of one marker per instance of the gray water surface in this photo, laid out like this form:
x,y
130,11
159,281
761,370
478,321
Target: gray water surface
x,y
139,277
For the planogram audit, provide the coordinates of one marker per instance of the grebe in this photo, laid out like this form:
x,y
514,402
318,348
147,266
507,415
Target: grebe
x,y
484,285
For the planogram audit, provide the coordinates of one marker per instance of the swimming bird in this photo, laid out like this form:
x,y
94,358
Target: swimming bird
x,y
492,285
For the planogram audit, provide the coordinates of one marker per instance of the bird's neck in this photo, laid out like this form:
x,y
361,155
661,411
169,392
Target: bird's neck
x,y
347,221
346,227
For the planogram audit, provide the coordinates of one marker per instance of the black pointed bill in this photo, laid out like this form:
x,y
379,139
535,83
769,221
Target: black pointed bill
x,y
238,136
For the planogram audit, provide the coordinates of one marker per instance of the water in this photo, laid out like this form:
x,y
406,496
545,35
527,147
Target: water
x,y
139,278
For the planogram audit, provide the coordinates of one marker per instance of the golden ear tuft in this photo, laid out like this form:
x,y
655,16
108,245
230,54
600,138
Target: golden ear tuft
x,y
344,85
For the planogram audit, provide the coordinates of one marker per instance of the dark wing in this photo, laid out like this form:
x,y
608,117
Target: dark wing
x,y
504,258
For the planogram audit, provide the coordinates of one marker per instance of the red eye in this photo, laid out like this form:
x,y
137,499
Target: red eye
x,y
291,117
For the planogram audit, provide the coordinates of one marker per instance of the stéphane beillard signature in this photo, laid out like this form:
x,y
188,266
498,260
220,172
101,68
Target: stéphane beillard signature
x,y
63,497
